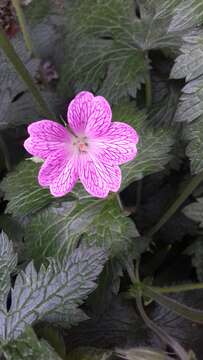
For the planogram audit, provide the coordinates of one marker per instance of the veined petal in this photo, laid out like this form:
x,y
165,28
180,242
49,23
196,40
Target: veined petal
x,y
100,119
46,136
89,115
65,182
117,146
53,167
79,111
98,178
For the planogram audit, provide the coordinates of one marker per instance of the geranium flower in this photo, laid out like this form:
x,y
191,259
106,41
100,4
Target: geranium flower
x,y
90,150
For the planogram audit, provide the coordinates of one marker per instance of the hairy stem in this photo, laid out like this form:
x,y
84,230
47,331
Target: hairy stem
x,y
167,339
190,187
178,288
22,23
23,73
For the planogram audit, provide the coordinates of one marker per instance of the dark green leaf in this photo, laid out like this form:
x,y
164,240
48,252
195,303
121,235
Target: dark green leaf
x,y
23,191
87,353
193,134
29,347
153,148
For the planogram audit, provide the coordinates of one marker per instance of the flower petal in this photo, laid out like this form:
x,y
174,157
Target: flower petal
x,y
79,111
89,115
66,180
98,178
100,119
46,136
52,167
117,146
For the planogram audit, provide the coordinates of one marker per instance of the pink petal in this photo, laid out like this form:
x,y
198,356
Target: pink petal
x,y
79,111
89,115
53,167
98,178
100,119
117,146
46,136
65,182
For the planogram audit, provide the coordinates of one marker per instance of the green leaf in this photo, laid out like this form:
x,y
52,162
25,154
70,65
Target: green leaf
x,y
37,11
62,285
166,94
189,64
193,134
107,44
187,14
191,102
153,148
8,263
196,251
58,229
27,346
195,211
142,353
22,190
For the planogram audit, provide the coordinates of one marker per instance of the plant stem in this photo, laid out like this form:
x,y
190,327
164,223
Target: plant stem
x,y
177,288
191,186
22,23
167,339
23,73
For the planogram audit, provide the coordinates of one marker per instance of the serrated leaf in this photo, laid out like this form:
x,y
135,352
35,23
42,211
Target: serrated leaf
x,y
193,134
58,229
153,148
187,14
22,190
189,64
29,347
8,262
65,284
191,104
107,44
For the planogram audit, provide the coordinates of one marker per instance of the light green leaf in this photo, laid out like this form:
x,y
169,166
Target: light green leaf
x,y
8,262
22,190
191,102
189,64
58,229
153,148
193,134
187,14
29,347
61,285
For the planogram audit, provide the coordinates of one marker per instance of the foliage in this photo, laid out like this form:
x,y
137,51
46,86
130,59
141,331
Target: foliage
x,y
146,58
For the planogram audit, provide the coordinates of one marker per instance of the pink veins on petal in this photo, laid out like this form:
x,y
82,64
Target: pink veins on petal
x,y
91,152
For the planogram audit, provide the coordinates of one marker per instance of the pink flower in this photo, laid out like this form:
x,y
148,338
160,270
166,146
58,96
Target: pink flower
x,y
91,151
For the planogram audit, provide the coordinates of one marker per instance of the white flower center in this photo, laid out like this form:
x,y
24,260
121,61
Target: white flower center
x,y
81,143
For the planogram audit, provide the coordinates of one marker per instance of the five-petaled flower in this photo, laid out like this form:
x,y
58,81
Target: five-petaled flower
x,y
90,151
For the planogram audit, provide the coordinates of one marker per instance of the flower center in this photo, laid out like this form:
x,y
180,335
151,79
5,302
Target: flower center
x,y
81,143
